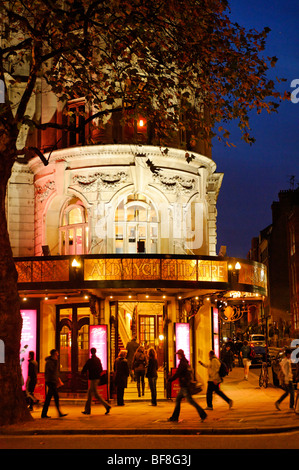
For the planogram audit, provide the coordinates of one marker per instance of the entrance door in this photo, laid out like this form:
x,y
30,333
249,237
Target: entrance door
x,y
151,334
72,342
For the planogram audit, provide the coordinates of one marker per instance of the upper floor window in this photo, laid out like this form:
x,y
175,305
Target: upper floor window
x,y
73,230
76,118
136,226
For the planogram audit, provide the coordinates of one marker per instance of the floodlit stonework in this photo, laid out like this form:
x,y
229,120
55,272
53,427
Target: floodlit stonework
x,y
123,207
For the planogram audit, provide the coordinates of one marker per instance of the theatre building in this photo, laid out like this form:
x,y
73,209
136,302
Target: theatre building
x,y
106,249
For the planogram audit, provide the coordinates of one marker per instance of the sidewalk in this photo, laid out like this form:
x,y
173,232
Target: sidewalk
x,y
253,411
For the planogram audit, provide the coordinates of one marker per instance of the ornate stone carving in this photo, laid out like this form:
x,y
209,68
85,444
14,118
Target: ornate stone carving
x,y
42,192
106,180
175,183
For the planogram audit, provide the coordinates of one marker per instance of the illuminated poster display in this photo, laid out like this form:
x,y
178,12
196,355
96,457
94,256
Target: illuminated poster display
x,y
28,340
182,340
215,324
98,339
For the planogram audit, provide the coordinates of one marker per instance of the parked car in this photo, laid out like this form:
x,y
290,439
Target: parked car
x,y
276,366
258,343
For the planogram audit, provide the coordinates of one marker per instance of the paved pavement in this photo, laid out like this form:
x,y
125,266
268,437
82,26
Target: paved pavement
x,y
253,412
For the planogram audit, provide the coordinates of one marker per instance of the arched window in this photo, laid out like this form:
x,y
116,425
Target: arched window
x,y
136,225
73,230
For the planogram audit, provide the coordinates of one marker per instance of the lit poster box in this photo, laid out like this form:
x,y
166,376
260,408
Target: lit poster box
x,y
182,340
28,340
215,320
98,338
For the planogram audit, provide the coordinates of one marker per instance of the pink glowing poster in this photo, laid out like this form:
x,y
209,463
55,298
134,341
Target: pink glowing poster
x,y
182,340
28,340
215,323
98,339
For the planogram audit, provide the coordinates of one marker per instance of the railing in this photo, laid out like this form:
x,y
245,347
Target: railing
x,y
122,330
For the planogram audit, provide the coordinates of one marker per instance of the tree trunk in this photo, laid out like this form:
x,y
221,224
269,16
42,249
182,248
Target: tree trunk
x,y
13,408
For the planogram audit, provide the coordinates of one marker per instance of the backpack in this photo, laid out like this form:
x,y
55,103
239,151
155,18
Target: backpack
x,y
223,370
251,354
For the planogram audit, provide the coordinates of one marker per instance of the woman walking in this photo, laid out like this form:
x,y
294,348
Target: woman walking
x,y
152,374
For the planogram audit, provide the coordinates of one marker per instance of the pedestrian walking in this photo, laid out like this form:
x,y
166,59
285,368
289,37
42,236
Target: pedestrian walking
x,y
93,367
31,381
139,365
245,355
152,374
184,375
227,357
121,371
52,381
287,380
131,348
214,381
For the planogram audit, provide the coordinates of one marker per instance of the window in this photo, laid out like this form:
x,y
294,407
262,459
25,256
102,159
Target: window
x,y
76,118
136,226
73,231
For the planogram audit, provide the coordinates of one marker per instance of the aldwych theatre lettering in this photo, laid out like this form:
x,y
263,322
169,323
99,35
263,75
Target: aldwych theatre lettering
x,y
152,269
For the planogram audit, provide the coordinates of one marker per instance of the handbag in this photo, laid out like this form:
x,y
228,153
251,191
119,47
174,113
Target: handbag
x,y
195,387
103,378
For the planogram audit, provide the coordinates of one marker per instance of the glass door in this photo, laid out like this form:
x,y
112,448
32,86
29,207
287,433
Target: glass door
x,y
72,342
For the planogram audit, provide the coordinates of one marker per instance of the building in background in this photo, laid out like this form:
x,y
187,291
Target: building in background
x,y
277,247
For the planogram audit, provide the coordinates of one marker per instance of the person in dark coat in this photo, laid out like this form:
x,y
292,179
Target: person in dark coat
x,y
227,357
52,379
139,366
152,374
93,367
121,370
131,348
31,380
184,376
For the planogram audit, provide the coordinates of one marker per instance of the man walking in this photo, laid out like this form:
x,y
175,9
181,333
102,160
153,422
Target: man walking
x,y
214,381
183,373
287,379
52,379
94,368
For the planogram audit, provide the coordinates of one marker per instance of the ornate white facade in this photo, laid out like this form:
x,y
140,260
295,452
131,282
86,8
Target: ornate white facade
x,y
105,199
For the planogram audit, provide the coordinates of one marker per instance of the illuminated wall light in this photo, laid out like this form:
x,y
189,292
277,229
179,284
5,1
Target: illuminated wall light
x,y
24,299
111,297
164,296
75,263
237,266
65,297
179,297
161,337
147,296
46,298
130,296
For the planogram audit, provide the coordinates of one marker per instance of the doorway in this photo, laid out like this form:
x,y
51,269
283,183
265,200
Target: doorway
x,y
145,321
72,342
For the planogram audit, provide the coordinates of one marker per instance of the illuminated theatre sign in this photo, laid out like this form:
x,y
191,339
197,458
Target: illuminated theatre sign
x,y
114,268
155,269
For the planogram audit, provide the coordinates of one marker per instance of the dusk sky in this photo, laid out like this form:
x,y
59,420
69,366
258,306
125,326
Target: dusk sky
x,y
254,175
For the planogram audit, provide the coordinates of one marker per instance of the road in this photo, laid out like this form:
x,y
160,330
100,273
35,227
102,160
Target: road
x,y
256,441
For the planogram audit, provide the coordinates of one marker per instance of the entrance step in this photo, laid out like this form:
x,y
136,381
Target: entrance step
x,y
131,393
